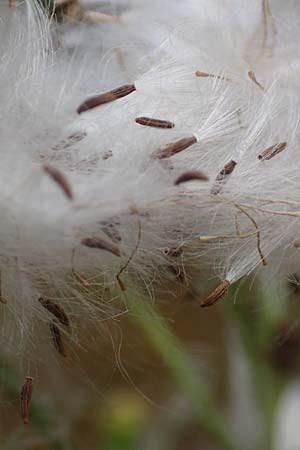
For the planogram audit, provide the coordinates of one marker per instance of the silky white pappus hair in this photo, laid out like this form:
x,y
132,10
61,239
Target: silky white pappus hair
x,y
129,159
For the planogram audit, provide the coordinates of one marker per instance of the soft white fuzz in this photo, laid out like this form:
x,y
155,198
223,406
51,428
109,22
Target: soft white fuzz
x,y
243,101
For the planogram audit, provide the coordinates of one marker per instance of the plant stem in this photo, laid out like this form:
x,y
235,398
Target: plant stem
x,y
263,377
185,375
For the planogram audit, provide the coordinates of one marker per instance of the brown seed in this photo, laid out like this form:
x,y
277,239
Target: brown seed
x,y
106,97
210,75
178,271
252,77
272,151
107,155
216,294
191,175
155,123
2,299
69,8
25,399
294,283
174,251
57,339
204,74
121,283
77,137
56,310
111,230
223,176
60,179
175,147
103,244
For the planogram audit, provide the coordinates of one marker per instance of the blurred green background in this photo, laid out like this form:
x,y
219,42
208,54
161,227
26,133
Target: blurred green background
x,y
174,378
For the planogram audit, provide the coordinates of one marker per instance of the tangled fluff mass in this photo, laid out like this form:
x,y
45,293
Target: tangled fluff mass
x,y
187,168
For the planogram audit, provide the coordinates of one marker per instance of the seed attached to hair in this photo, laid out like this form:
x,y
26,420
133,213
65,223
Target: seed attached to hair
x,y
60,179
178,271
100,243
174,148
25,399
2,299
106,97
56,310
252,77
121,283
107,155
223,176
216,294
57,339
155,123
203,74
210,75
174,251
77,137
191,175
272,151
111,230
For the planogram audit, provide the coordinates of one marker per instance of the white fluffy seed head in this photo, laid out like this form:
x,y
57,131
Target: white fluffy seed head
x,y
85,202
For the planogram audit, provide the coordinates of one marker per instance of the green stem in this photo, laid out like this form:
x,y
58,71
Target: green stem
x,y
264,378
185,375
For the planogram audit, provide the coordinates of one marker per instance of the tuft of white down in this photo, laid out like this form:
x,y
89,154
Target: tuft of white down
x,y
122,193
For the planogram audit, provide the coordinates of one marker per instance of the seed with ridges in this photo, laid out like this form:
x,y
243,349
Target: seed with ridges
x,y
57,339
272,151
216,294
25,399
174,251
100,243
155,123
106,97
174,148
223,176
56,310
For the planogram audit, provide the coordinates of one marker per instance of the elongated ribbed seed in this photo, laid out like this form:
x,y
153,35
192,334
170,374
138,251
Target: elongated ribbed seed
x,y
173,251
154,123
210,75
222,177
56,310
103,244
25,399
216,294
57,339
174,148
106,97
272,151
